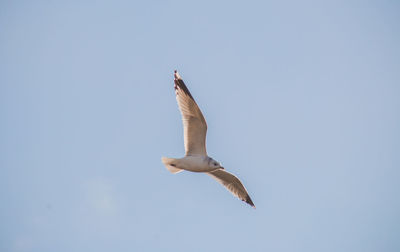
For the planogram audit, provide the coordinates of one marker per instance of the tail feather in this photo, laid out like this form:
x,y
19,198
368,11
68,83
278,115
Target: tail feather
x,y
170,164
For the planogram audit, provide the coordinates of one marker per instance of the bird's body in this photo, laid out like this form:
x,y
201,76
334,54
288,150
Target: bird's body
x,y
196,158
194,163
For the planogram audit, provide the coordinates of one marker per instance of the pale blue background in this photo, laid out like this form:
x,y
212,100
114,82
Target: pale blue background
x,y
302,100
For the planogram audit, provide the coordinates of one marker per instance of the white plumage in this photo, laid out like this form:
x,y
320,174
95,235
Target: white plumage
x,y
196,158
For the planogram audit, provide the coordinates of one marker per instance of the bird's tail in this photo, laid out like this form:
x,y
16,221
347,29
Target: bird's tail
x,y
170,164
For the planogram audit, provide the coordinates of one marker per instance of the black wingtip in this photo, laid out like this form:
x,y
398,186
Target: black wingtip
x,y
176,75
181,85
250,202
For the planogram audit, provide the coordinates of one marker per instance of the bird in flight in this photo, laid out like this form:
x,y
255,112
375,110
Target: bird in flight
x,y
196,158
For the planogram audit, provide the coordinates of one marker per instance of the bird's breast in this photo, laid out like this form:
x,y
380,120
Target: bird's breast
x,y
195,164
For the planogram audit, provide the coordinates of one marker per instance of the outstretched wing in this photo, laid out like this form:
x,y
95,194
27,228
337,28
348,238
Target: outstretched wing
x,y
194,124
233,184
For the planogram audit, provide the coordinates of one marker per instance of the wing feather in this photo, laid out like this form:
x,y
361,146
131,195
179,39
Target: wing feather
x,y
194,124
232,184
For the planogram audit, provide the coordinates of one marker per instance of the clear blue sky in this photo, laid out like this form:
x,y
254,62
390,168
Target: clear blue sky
x,y
302,100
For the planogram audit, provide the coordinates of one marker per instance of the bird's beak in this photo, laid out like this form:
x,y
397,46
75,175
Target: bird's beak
x,y
222,168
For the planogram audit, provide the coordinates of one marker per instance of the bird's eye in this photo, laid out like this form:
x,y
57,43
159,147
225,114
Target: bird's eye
x,y
215,164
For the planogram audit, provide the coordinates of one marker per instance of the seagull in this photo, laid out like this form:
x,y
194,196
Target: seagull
x,y
196,158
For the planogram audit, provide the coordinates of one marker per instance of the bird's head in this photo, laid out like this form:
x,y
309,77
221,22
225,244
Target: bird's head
x,y
215,164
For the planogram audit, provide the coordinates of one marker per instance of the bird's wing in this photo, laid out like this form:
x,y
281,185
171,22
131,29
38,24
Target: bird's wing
x,y
232,184
194,124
